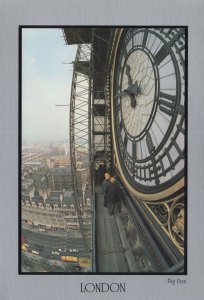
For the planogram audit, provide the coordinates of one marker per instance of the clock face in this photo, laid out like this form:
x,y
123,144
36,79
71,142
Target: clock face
x,y
148,105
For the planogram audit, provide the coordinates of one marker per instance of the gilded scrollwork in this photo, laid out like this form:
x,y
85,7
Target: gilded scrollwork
x,y
161,212
171,216
176,223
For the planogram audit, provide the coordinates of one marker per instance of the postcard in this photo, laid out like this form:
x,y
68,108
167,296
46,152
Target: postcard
x,y
98,130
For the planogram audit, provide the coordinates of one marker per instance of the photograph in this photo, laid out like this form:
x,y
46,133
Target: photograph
x,y
103,150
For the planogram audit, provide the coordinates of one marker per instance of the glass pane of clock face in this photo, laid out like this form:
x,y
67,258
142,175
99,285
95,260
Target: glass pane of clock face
x,y
149,105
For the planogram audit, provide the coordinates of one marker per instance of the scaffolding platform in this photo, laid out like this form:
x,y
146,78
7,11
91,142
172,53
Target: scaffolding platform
x,y
113,254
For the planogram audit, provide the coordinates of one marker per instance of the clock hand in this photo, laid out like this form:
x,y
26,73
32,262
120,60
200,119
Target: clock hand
x,y
131,95
124,93
132,98
133,90
129,76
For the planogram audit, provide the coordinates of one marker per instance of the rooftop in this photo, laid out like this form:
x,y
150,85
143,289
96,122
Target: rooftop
x,y
60,171
34,163
52,199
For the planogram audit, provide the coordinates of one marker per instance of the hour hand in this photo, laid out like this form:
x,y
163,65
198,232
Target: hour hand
x,y
124,93
128,74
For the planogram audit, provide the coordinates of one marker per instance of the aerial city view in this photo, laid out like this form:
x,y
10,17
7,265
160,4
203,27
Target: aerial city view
x,y
103,158
50,226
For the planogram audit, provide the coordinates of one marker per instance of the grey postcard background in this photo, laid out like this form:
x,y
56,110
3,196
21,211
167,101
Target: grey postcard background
x,y
86,12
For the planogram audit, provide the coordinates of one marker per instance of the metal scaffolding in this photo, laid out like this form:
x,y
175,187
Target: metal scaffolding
x,y
101,115
80,138
89,122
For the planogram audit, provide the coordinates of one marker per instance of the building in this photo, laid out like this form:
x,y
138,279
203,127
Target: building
x,y
58,161
57,211
59,179
39,181
29,156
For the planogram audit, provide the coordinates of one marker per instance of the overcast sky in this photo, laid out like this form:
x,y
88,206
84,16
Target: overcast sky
x,y
46,81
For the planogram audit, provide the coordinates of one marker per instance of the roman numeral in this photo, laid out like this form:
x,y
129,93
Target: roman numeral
x,y
161,55
155,170
131,166
180,128
149,142
136,171
181,153
128,162
118,87
150,172
134,145
170,159
145,177
144,39
125,158
125,141
177,36
120,126
140,172
132,38
120,62
125,51
181,109
167,103
162,166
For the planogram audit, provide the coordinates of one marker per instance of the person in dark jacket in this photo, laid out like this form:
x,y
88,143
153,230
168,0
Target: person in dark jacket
x,y
101,171
113,195
105,185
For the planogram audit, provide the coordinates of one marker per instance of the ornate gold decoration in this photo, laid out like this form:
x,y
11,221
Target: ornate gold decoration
x,y
170,214
178,227
176,223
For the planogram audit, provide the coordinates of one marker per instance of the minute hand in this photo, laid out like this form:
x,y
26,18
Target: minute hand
x,y
133,90
124,93
129,76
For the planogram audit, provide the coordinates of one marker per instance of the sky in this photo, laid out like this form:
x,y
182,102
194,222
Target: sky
x,y
46,81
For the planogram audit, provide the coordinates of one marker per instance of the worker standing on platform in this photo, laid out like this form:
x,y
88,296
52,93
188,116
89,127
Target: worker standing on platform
x,y
105,184
102,171
113,195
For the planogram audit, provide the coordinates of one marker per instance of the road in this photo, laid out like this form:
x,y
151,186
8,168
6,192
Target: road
x,y
46,244
33,265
